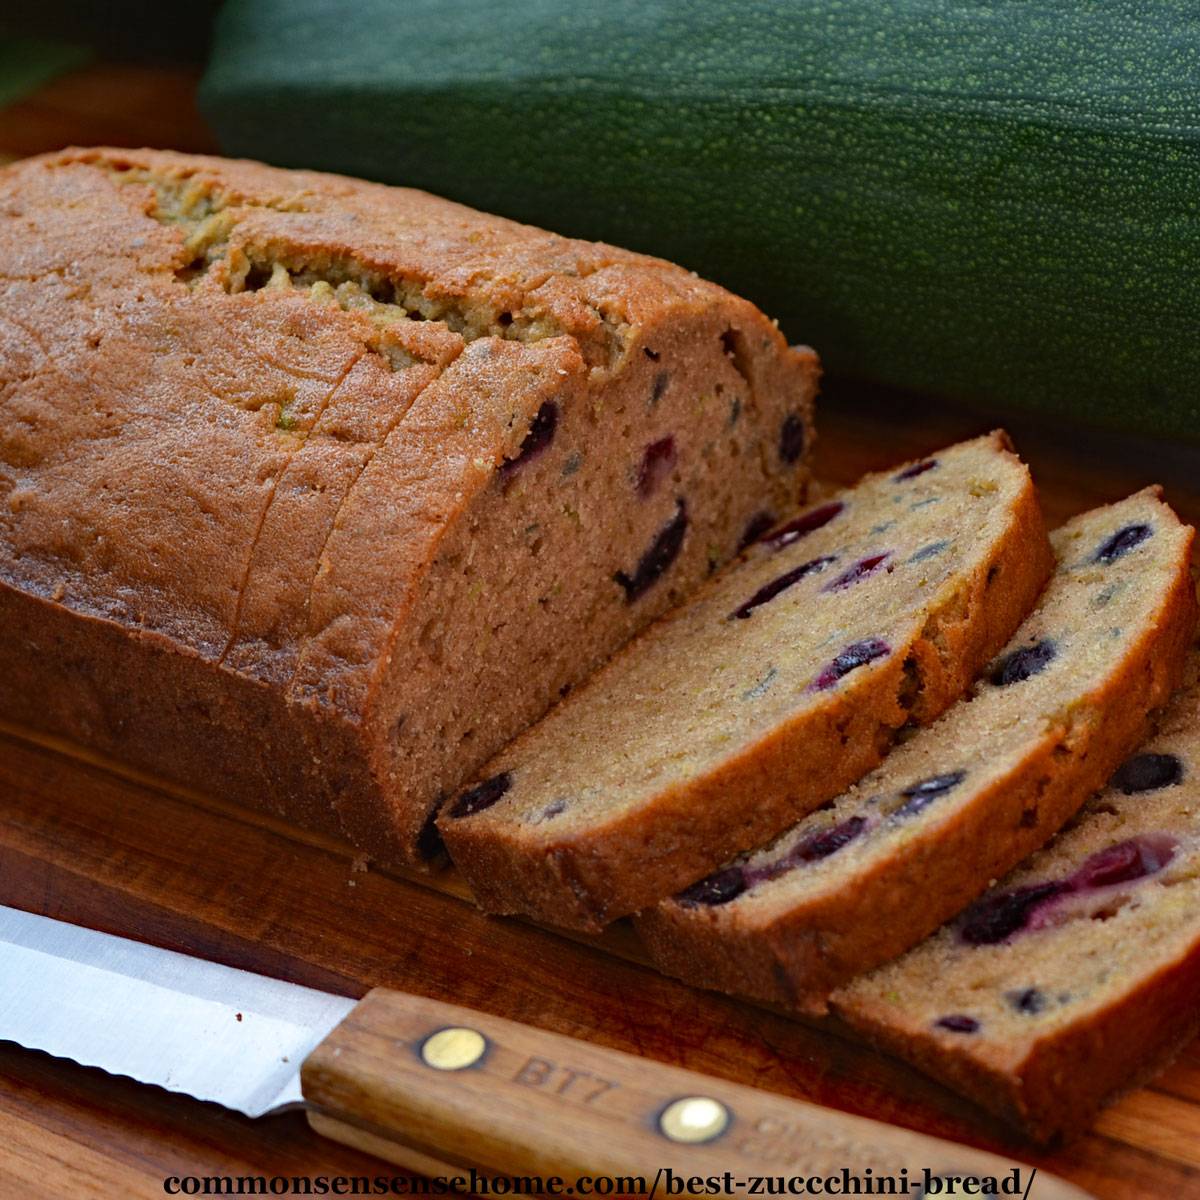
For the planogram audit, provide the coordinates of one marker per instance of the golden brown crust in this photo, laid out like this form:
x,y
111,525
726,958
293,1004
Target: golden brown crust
x,y
617,866
796,954
245,415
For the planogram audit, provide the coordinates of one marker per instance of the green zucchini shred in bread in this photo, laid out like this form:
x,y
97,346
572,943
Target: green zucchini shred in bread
x,y
963,800
284,510
780,684
1077,975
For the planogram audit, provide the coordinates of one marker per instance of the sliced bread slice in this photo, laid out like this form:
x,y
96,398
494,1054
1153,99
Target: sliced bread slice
x,y
778,686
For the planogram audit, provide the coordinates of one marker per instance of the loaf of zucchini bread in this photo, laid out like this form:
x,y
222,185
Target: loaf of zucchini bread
x,y
314,492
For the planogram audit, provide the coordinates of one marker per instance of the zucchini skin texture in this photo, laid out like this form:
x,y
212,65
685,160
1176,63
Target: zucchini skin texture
x,y
998,202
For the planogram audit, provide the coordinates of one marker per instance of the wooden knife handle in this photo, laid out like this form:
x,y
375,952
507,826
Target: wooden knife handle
x,y
441,1089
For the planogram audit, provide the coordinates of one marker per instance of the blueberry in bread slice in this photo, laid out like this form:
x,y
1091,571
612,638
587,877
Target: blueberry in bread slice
x,y
966,798
780,684
315,492
1078,974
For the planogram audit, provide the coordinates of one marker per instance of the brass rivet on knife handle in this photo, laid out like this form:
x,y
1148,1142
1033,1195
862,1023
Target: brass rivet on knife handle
x,y
693,1120
534,1103
453,1048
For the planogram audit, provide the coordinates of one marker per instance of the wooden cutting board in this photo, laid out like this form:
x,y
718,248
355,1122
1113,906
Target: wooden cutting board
x,y
83,841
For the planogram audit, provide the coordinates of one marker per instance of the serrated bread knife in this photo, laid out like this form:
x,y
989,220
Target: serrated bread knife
x,y
436,1088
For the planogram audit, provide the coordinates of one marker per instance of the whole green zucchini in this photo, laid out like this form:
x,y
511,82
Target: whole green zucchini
x,y
996,201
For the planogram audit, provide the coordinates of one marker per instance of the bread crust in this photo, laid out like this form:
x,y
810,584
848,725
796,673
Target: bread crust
x,y
247,416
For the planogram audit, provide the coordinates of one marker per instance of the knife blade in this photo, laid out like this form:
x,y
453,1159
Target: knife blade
x,y
436,1088
185,1024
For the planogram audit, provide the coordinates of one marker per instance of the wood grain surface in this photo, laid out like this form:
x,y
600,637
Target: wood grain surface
x,y
83,841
